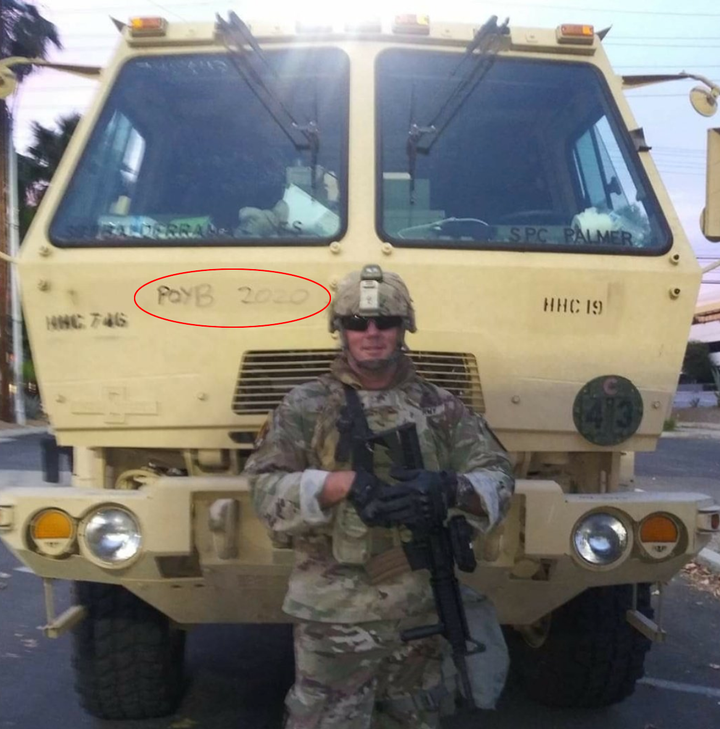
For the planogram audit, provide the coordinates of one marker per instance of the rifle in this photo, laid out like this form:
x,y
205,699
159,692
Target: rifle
x,y
437,548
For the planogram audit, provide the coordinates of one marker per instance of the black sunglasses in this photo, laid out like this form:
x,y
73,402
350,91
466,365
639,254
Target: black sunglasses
x,y
361,323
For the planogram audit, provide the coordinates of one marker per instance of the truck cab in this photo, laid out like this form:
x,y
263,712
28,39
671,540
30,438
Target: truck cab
x,y
226,177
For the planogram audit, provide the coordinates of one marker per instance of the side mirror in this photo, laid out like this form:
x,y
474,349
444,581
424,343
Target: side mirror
x,y
9,82
710,218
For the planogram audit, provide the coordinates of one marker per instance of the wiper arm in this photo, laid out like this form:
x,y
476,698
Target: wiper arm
x,y
238,37
421,139
415,135
485,42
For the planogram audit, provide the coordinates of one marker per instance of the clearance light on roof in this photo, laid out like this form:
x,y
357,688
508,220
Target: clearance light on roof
x,y
313,28
580,34
414,24
364,26
148,26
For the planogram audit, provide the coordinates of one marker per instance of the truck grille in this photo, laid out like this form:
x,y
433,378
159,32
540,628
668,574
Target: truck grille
x,y
266,377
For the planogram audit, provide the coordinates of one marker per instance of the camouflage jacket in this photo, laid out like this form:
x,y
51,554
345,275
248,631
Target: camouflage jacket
x,y
297,450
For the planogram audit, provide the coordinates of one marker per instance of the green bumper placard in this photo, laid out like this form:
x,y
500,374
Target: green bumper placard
x,y
608,410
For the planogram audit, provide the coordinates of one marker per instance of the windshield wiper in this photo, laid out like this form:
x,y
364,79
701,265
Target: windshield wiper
x,y
246,55
422,138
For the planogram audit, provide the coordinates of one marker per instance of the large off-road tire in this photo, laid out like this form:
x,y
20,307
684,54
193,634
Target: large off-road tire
x,y
128,658
588,655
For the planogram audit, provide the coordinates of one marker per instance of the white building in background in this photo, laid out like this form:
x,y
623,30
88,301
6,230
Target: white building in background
x,y
706,323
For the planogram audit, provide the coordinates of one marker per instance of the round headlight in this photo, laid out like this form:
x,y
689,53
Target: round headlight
x,y
112,535
600,539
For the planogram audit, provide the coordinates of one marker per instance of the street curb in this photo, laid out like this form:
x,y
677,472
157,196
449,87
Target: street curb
x,y
29,430
699,433
703,426
710,559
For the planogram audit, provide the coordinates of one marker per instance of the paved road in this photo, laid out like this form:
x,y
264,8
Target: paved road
x,y
238,675
687,399
681,464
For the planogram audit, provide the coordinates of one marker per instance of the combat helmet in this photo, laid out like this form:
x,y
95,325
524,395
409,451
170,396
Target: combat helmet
x,y
372,292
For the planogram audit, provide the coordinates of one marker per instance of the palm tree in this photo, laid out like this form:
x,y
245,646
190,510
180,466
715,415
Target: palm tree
x,y
37,168
23,32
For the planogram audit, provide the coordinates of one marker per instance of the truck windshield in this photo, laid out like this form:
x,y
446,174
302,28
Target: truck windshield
x,y
185,152
535,158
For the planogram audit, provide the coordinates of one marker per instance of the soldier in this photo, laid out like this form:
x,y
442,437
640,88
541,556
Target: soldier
x,y
352,669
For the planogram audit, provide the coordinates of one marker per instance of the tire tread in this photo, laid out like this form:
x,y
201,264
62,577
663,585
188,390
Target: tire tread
x,y
592,657
127,658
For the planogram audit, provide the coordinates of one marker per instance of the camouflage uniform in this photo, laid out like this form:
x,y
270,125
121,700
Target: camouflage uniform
x,y
348,652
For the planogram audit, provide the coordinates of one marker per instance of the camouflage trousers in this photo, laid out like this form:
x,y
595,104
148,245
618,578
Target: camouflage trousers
x,y
362,676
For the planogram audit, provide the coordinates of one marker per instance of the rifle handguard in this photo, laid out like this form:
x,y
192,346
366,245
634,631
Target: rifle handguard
x,y
423,631
461,542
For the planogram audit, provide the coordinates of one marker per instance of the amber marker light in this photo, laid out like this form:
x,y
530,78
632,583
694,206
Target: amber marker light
x,y
52,524
414,24
570,33
364,26
658,528
52,532
148,26
313,28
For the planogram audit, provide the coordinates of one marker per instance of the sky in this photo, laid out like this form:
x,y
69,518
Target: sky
x,y
647,36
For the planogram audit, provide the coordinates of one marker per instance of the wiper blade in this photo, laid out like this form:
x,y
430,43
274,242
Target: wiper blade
x,y
238,38
482,50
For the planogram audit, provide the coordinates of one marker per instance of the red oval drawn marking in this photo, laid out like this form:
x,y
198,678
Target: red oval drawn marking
x,y
233,326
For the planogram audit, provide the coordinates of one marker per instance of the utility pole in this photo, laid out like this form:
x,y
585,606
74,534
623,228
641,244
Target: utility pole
x,y
15,306
5,377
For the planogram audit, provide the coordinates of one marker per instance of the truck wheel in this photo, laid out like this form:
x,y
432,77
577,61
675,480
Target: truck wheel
x,y
128,659
585,654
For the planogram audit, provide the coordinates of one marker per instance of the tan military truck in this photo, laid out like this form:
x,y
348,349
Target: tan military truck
x,y
174,284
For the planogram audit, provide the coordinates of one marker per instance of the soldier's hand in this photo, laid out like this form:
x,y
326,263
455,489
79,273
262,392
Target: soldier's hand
x,y
364,495
421,499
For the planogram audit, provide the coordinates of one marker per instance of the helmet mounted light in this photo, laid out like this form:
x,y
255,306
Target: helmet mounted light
x,y
372,292
370,279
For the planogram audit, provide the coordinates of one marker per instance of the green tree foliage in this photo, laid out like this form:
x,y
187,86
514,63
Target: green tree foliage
x,y
23,32
35,172
697,363
26,33
37,168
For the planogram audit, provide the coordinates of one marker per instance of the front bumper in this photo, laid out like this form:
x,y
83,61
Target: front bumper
x,y
198,568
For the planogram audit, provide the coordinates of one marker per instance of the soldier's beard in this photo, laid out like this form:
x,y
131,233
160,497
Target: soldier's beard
x,y
377,365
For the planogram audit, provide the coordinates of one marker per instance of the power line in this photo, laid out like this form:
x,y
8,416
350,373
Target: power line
x,y
167,10
508,3
98,10
612,39
619,11
664,37
655,96
682,150
666,65
652,44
